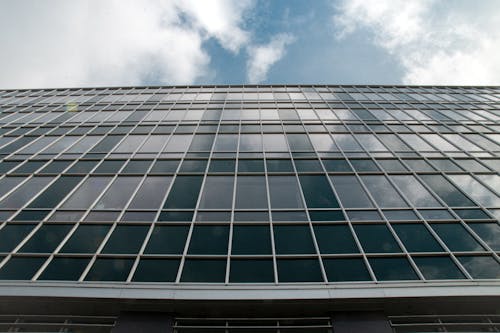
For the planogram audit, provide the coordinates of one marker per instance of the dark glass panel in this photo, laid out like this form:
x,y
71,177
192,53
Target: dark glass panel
x,y
387,269
109,166
299,142
250,165
56,192
284,192
69,269
317,192
350,192
252,271
46,239
456,237
126,239
481,267
86,239
55,167
334,215
335,239
489,233
364,165
344,269
376,238
137,166
193,166
222,166
87,193
165,166
119,193
209,239
204,270
449,193
299,270
151,193
202,142
251,192
25,192
30,167
378,185
337,165
281,165
251,239
21,268
82,167
106,144
176,216
156,270
184,192
416,238
438,268
391,165
293,239
110,269
217,192
167,240
12,234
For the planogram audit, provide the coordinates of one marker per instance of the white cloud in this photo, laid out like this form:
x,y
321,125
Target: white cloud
x,y
436,42
262,57
113,42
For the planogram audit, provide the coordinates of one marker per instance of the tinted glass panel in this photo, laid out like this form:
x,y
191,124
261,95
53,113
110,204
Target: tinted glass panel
x,y
86,239
483,267
294,239
119,193
251,192
438,268
126,239
284,192
167,240
251,239
376,238
65,269
21,268
351,194
456,237
184,192
339,270
110,269
387,269
156,270
46,239
416,238
204,270
317,192
209,239
299,270
151,193
251,271
217,192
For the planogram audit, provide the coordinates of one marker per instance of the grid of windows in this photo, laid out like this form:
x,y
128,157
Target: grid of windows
x,y
319,184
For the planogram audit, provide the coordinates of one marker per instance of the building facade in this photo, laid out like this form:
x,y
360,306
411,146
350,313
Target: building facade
x,y
250,209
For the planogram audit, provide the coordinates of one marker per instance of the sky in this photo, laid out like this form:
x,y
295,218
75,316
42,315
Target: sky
x,y
88,43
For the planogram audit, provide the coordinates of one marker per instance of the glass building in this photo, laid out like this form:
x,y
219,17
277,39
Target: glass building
x,y
250,209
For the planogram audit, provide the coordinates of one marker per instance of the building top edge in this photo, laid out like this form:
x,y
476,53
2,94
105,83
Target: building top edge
x,y
254,86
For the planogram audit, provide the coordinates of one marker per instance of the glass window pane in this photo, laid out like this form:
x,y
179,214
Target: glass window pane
x,y
226,142
299,142
46,239
156,270
334,239
415,192
251,192
376,238
250,142
343,269
456,237
251,239
184,192
370,142
217,192
110,269
204,270
284,192
153,144
178,143
69,269
293,239
317,192
416,142
336,165
396,269
350,192
416,238
167,240
87,193
489,233
281,165
438,268
12,234
476,190
222,166
151,193
209,239
130,144
119,193
275,142
323,142
126,239
299,270
86,239
481,267
346,142
252,271
449,193
165,166
379,184
21,268
202,142
25,192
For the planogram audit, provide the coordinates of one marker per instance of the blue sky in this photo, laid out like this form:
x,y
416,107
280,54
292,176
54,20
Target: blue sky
x,y
79,43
